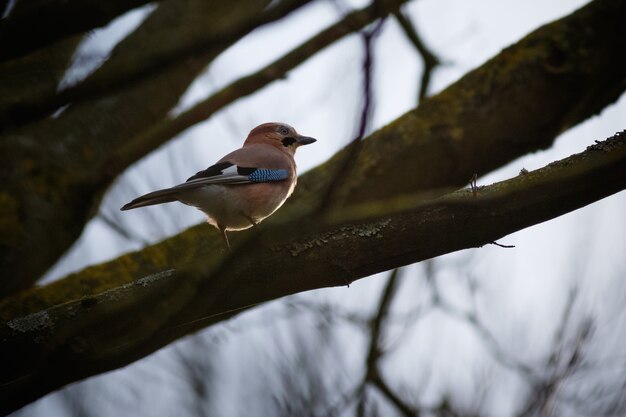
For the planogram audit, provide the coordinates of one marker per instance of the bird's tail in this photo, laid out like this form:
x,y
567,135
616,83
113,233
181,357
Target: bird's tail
x,y
156,197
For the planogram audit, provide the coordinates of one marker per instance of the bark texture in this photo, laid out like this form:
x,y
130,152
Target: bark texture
x,y
48,348
55,20
55,170
111,314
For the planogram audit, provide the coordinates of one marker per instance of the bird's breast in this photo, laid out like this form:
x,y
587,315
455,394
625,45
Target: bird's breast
x,y
236,206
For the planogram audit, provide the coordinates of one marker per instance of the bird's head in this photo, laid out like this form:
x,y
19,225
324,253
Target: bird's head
x,y
279,135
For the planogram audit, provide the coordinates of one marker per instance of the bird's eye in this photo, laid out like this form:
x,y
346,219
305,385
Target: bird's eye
x,y
283,130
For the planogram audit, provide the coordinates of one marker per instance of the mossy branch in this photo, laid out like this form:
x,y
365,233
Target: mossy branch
x,y
53,168
44,349
159,54
105,317
516,103
276,70
36,24
109,144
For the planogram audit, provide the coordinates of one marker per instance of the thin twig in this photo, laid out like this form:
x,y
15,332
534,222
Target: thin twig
x,y
123,232
354,147
472,183
382,312
404,408
100,85
471,318
372,374
428,57
501,245
170,127
544,392
559,337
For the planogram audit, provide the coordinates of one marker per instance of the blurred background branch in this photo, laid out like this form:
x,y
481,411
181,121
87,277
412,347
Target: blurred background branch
x,y
429,59
65,137
449,137
55,20
128,66
107,329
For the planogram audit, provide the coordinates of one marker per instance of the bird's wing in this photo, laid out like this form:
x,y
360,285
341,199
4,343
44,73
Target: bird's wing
x,y
249,165
227,173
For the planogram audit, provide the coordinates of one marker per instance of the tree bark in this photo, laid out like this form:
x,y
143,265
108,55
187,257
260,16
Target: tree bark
x,y
59,168
56,170
165,46
46,349
515,103
41,23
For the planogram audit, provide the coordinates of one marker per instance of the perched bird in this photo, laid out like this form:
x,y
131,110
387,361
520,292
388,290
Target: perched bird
x,y
245,186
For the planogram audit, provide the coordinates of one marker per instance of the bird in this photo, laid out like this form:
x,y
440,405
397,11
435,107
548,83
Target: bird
x,y
244,187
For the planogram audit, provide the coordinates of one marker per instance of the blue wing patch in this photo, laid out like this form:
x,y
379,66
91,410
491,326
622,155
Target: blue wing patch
x,y
268,175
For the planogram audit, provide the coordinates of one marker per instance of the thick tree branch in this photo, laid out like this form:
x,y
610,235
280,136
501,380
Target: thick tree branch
x,y
36,24
136,123
159,54
171,126
45,348
54,174
104,317
486,119
35,75
516,103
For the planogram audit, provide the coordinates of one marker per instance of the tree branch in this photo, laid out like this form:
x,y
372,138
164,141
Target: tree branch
x,y
486,119
367,107
54,175
375,352
44,348
160,54
428,57
36,24
163,131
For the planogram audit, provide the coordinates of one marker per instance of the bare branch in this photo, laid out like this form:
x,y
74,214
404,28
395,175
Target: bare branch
x,y
62,161
126,234
277,70
489,340
404,408
428,57
55,20
481,122
373,374
131,67
375,349
44,348
354,147
502,246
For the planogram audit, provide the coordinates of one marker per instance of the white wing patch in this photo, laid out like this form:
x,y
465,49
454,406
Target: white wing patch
x,y
228,176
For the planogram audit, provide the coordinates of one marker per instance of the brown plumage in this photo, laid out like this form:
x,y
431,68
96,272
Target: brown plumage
x,y
245,186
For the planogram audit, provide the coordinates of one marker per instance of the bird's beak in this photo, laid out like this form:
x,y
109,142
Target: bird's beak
x,y
305,140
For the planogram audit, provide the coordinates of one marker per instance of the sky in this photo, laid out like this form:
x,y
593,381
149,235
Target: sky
x,y
519,294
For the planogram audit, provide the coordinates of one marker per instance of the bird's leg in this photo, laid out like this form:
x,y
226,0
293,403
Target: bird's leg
x,y
224,235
